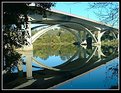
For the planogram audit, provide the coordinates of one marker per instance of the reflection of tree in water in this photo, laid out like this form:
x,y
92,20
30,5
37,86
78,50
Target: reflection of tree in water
x,y
64,51
112,75
108,50
89,51
112,69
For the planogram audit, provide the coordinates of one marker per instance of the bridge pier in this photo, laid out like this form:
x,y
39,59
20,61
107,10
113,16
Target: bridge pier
x,y
27,48
98,37
99,51
29,56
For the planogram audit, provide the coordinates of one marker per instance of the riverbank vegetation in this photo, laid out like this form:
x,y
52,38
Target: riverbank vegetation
x,y
55,37
59,42
55,42
113,42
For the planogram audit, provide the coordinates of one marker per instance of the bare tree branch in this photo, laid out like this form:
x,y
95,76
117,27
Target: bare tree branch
x,y
107,12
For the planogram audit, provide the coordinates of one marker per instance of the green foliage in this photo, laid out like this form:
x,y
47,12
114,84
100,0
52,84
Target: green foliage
x,y
11,11
64,51
55,37
110,42
15,24
10,58
55,42
34,32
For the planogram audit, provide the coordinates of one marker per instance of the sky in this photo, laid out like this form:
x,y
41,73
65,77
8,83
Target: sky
x,y
77,8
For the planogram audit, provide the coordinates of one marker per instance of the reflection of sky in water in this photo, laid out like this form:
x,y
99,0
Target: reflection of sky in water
x,y
96,79
100,78
51,61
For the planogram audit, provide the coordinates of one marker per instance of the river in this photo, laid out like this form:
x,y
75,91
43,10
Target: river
x,y
68,67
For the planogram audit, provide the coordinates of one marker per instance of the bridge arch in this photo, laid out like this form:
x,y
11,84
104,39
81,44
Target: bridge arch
x,y
114,33
74,22
67,25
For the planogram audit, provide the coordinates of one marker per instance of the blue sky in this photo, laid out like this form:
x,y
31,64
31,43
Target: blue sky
x,y
77,8
82,9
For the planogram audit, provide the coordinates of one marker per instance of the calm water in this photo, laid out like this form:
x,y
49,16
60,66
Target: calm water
x,y
101,78
96,67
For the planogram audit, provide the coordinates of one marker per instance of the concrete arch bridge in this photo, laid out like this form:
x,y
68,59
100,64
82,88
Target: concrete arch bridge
x,y
74,24
69,21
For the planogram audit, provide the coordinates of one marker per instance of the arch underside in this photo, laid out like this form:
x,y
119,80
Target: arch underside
x,y
70,26
73,27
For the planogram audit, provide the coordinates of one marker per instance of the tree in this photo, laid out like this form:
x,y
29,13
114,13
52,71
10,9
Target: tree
x,y
107,12
15,23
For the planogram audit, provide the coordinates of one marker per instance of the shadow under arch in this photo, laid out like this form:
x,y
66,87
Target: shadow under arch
x,y
42,25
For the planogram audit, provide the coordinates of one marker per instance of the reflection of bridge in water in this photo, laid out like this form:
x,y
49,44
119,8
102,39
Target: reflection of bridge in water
x,y
81,62
80,59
